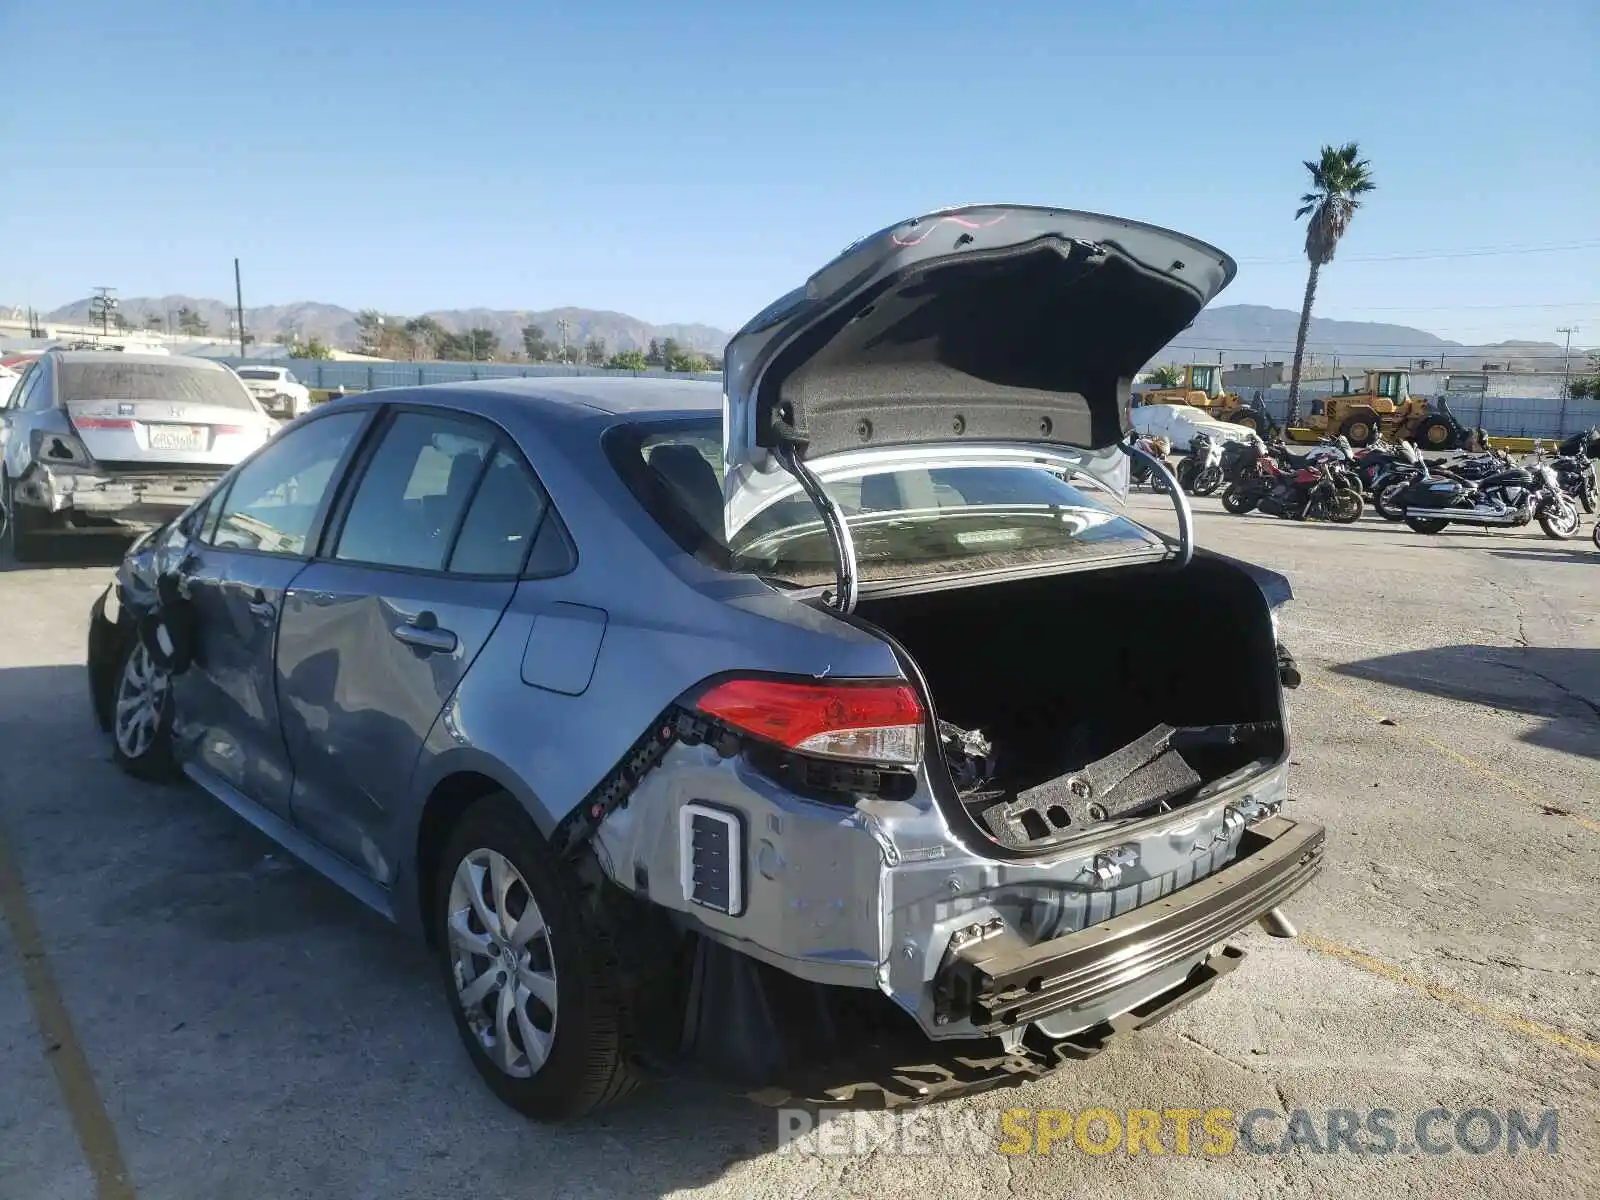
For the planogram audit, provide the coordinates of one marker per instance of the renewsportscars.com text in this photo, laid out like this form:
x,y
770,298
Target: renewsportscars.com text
x,y
1213,1131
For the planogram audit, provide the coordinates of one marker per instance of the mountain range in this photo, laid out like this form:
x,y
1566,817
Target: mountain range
x,y
1240,332
337,326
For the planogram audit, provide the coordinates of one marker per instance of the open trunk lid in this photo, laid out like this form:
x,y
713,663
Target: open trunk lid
x,y
986,332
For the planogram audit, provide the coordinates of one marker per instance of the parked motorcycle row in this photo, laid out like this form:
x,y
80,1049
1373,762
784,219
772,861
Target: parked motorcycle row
x,y
1333,481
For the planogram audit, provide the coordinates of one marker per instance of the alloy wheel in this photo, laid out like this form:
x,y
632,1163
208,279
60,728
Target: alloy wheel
x,y
141,697
502,963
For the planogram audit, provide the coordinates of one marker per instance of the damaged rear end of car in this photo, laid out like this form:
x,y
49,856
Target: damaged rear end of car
x,y
1011,804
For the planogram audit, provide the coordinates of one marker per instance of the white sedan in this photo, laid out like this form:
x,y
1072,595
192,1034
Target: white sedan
x,y
1178,423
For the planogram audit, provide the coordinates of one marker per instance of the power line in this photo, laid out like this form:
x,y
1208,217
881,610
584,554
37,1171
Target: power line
x,y
1466,307
1418,256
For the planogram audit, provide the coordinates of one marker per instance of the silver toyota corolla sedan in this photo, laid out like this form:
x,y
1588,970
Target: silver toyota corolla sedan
x,y
752,722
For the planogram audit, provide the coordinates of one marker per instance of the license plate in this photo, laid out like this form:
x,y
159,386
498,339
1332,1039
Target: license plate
x,y
177,437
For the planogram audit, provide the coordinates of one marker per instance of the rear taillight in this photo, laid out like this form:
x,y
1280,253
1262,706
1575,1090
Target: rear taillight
x,y
865,722
102,423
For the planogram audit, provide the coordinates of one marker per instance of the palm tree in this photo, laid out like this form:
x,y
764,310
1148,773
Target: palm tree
x,y
1338,179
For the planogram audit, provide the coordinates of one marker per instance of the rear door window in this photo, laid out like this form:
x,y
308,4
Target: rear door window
x,y
502,522
274,500
413,494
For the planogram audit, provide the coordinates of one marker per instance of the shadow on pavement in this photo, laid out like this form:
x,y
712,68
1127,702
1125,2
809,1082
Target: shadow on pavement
x,y
256,1031
1561,684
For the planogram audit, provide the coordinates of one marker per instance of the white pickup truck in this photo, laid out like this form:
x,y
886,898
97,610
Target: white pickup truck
x,y
276,390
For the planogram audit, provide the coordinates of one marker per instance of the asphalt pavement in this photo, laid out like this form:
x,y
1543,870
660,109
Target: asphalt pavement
x,y
187,1014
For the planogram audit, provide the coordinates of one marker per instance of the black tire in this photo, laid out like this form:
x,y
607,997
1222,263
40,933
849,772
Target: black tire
x,y
1207,481
1588,498
154,762
1235,501
1387,500
1597,535
1560,531
1345,507
1249,418
1185,474
1426,524
1435,433
1360,430
587,1066
25,530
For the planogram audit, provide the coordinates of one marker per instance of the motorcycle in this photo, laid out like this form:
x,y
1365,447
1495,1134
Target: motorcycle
x,y
1507,500
1200,471
1575,468
1336,453
1139,471
1307,493
1390,488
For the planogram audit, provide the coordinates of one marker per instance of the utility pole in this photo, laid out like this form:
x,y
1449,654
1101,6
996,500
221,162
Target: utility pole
x,y
1566,367
238,301
563,325
101,305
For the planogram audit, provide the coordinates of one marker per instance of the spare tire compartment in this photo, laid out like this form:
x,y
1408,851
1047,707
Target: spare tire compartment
x,y
1069,701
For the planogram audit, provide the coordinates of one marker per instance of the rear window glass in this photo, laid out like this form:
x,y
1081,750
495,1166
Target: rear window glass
x,y
257,373
905,523
174,382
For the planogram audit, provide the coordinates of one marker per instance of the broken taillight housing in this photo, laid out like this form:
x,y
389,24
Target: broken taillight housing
x,y
868,721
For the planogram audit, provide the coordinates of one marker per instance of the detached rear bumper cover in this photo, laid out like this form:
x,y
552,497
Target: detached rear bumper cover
x,y
997,982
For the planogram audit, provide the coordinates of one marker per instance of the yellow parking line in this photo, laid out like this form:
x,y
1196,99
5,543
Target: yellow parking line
x,y
1463,760
90,1120
1376,966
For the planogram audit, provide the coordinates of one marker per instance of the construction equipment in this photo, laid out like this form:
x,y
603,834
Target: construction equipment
x,y
1386,408
1201,387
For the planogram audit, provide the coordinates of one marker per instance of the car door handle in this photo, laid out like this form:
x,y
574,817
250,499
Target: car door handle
x,y
422,632
261,606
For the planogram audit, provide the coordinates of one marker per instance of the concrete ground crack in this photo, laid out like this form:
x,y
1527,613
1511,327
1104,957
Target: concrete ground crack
x,y
1592,705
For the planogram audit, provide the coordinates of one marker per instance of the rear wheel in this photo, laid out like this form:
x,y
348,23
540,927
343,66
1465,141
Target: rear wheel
x,y
1249,418
1236,501
26,529
1561,520
1435,433
1426,524
1207,481
529,969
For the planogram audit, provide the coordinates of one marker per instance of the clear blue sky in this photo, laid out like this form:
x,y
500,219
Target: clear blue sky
x,y
691,161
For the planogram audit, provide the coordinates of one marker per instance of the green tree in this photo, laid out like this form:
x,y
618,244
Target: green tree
x,y
314,348
191,322
1338,180
427,336
1166,376
594,351
154,321
471,345
627,360
652,354
536,344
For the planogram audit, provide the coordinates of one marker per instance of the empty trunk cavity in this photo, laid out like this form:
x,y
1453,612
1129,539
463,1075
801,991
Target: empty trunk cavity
x,y
1070,701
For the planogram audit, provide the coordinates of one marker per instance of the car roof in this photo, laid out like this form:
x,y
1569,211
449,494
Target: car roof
x,y
595,395
123,356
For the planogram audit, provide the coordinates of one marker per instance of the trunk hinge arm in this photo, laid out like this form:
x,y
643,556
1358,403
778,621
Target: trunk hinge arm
x,y
843,598
1180,502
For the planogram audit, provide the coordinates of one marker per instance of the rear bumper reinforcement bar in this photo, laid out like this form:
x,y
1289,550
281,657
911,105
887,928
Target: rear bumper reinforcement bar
x,y
999,982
